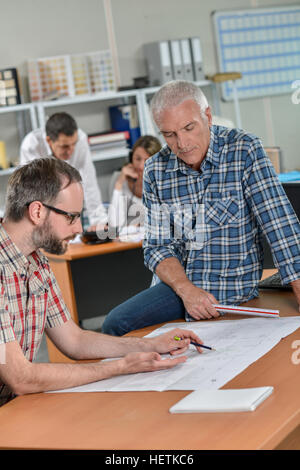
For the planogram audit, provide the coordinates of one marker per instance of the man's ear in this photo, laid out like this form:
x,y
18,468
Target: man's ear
x,y
48,140
36,212
208,115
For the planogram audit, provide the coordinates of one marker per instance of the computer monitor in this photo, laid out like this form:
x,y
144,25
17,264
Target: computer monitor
x,y
292,191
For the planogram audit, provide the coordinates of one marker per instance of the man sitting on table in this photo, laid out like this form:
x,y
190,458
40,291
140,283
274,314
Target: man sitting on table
x,y
43,207
62,139
209,194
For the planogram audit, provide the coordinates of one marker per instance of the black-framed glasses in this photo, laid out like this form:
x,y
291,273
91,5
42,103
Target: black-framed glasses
x,y
71,216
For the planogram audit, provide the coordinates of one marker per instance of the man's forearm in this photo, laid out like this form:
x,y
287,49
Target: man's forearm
x,y
25,377
93,345
80,344
171,272
59,376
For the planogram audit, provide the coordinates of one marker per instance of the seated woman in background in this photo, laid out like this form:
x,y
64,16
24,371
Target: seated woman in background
x,y
126,206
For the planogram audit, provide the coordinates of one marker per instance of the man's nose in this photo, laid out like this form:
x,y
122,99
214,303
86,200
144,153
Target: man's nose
x,y
77,226
181,141
69,151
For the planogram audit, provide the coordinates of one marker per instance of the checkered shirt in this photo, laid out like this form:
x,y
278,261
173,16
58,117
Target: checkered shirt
x,y
213,220
30,301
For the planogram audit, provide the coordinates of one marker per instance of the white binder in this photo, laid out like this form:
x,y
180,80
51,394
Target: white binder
x,y
197,59
186,59
176,61
158,59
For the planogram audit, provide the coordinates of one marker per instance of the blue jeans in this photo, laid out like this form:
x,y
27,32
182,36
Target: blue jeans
x,y
157,304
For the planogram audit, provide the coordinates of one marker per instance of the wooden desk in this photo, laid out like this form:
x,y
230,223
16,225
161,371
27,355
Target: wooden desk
x,y
96,278
140,420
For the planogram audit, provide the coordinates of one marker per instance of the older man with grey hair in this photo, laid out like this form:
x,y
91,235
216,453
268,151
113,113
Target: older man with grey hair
x,y
209,195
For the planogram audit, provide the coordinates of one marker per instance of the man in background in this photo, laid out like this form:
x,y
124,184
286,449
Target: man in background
x,y
62,139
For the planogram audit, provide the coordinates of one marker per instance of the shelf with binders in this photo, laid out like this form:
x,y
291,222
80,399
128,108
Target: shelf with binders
x,y
123,96
38,112
140,97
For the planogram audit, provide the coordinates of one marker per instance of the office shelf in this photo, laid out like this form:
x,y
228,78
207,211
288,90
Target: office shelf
x,y
141,96
92,98
20,108
37,112
7,171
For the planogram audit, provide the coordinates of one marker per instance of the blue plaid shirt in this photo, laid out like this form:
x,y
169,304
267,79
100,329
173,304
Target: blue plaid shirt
x,y
213,220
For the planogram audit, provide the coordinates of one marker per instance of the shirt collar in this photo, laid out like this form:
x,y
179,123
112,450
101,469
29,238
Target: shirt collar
x,y
10,255
49,151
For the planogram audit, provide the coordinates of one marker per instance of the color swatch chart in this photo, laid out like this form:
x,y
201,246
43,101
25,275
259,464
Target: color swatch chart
x,y
263,45
49,77
80,74
101,71
71,75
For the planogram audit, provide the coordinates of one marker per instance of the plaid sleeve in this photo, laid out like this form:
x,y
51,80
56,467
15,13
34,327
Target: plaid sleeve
x,y
57,311
159,243
273,211
6,330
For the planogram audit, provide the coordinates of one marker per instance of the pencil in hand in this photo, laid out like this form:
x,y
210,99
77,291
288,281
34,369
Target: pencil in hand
x,y
196,344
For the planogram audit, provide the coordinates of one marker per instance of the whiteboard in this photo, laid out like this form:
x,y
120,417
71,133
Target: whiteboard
x,y
263,44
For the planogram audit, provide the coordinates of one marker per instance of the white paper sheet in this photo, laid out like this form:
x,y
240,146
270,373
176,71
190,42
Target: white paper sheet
x,y
238,344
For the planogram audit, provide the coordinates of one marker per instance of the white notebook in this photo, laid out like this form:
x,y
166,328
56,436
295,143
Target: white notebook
x,y
211,401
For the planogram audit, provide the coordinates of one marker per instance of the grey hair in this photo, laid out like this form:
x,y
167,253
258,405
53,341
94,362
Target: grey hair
x,y
174,93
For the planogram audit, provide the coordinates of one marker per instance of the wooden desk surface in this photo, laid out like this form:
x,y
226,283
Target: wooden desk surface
x,y
83,250
141,420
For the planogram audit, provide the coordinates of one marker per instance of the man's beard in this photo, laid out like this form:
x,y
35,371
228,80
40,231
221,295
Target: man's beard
x,y
43,237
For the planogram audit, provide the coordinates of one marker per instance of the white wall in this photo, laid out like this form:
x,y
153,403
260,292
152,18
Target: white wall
x,y
38,28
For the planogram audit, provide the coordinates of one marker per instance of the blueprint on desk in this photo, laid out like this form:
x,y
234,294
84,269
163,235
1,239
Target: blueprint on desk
x,y
238,344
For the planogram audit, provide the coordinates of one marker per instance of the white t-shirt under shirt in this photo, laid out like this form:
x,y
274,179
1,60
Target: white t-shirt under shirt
x,y
35,145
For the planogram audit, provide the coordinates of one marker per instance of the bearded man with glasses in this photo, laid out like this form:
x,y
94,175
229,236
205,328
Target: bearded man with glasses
x,y
43,206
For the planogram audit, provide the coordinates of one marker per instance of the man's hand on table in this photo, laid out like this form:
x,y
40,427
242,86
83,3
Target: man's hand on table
x,y
199,303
